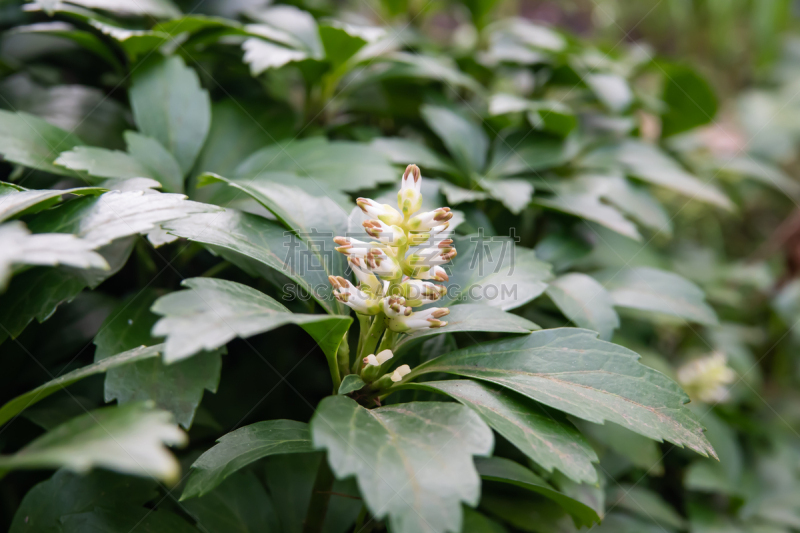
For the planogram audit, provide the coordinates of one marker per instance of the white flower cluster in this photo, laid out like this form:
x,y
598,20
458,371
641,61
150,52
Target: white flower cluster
x,y
393,271
705,378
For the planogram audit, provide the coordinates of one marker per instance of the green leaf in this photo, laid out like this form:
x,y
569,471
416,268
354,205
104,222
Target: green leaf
x,y
66,493
657,291
464,138
113,215
263,55
32,142
494,271
340,45
690,100
549,442
102,163
640,451
177,388
515,194
18,247
623,523
170,106
157,160
239,448
260,247
19,201
351,383
128,438
37,292
413,462
126,518
473,317
214,311
23,401
339,165
239,505
526,154
405,152
646,504
571,370
155,8
650,164
611,89
507,471
84,39
475,522
585,302
299,27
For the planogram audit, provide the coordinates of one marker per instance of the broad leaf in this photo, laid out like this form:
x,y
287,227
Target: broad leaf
x,y
128,438
23,401
263,55
475,522
474,317
549,442
690,100
155,8
571,370
18,247
611,89
646,504
640,451
585,302
170,106
297,26
239,448
507,471
515,194
494,271
214,311
657,291
32,142
102,163
177,388
351,383
260,247
239,505
526,154
115,214
68,493
340,165
161,165
463,137
405,152
18,201
413,462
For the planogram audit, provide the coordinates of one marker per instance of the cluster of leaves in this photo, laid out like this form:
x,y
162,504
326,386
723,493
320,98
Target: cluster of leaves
x,y
173,180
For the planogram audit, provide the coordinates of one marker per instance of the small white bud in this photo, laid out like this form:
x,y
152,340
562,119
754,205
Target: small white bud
x,y
400,372
383,212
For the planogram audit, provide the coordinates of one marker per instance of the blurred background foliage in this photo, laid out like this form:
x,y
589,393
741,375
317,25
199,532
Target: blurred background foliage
x,y
698,98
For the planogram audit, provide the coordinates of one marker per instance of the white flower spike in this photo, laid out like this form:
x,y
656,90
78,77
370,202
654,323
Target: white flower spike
x,y
351,296
705,379
409,198
429,318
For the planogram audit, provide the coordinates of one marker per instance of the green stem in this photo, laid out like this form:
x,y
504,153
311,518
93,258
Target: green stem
x,y
373,336
387,342
343,357
364,325
360,522
320,496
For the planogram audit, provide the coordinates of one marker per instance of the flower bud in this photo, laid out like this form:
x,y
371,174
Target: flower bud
x,y
391,235
409,198
383,212
395,306
353,247
429,257
380,264
358,300
400,372
431,219
417,292
435,273
369,281
705,379
428,318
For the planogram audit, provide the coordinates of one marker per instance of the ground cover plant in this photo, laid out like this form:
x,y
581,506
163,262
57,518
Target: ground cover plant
x,y
389,266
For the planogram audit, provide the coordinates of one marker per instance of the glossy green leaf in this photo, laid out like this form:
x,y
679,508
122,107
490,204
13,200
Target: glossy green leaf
x,y
646,504
161,165
155,8
102,163
464,137
19,247
526,154
263,55
549,442
177,388
113,215
243,446
611,89
657,291
33,142
129,438
585,302
339,44
475,522
473,317
571,370
260,247
640,451
507,471
214,311
299,27
515,194
239,505
170,106
405,152
67,493
351,383
494,271
339,165
23,401
690,100
413,462
19,201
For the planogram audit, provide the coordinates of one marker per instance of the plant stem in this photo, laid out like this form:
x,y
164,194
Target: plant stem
x,y
364,325
320,496
343,357
362,516
373,336
387,342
